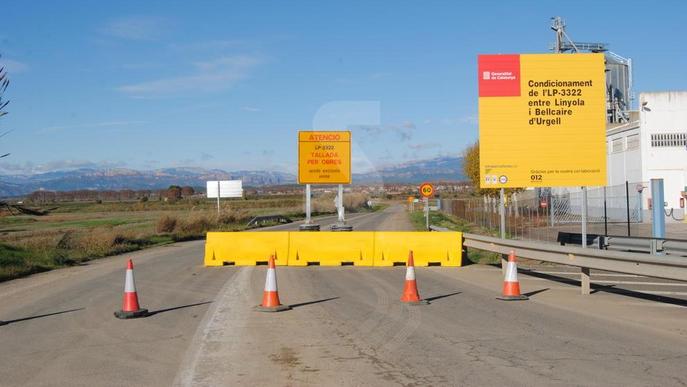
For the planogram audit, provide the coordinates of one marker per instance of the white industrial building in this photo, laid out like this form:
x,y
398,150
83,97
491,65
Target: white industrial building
x,y
652,145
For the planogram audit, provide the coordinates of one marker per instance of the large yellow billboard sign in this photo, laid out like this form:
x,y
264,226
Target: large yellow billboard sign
x,y
324,157
542,120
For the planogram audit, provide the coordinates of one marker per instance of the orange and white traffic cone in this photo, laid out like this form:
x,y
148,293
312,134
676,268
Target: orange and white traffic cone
x,y
511,285
270,297
410,294
130,307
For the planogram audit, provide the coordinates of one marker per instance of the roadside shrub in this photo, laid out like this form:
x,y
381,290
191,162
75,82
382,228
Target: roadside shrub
x,y
230,216
102,242
354,201
195,225
227,216
323,204
68,241
166,224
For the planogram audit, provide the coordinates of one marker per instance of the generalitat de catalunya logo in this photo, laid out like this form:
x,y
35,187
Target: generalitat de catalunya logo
x,y
499,75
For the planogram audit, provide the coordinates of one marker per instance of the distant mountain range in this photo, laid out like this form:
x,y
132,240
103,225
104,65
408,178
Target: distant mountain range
x,y
437,169
442,168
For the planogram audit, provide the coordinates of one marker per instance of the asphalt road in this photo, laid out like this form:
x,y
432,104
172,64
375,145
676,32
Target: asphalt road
x,y
347,327
393,218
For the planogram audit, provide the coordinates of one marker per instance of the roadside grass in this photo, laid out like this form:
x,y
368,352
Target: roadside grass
x,y
74,233
453,223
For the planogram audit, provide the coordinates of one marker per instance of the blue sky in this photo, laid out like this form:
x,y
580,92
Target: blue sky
x,y
228,84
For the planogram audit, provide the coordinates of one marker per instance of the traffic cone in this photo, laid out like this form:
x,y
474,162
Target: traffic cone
x,y
410,293
511,286
270,297
130,307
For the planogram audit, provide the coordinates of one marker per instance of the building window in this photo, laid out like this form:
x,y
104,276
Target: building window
x,y
617,145
633,141
662,140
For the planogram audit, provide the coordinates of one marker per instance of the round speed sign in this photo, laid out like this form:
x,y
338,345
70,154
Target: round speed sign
x,y
426,190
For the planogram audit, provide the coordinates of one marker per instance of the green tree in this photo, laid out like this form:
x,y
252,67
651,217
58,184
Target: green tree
x,y
471,164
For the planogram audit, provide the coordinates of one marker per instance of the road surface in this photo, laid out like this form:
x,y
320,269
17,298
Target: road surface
x,y
347,327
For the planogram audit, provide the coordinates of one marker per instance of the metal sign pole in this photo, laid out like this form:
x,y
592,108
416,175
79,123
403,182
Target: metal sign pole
x,y
308,225
427,213
307,204
341,223
217,197
340,204
585,280
605,214
502,227
552,208
502,212
584,217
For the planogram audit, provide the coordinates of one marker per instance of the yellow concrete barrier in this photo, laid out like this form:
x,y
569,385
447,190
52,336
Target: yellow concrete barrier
x,y
326,248
429,248
331,248
246,248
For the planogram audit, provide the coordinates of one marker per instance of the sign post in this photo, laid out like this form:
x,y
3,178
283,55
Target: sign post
x,y
307,203
502,226
224,189
427,191
324,157
340,207
542,123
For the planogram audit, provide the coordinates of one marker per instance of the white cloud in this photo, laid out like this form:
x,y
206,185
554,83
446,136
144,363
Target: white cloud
x,y
29,168
423,146
250,109
404,130
137,28
13,66
408,125
467,119
217,45
215,75
51,129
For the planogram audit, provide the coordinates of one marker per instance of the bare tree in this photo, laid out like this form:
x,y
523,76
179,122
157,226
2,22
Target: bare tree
x,y
4,82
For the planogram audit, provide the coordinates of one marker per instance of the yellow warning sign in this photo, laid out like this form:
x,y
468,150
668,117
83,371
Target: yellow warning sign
x,y
324,157
542,120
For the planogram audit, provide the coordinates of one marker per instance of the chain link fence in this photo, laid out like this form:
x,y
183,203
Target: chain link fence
x,y
540,214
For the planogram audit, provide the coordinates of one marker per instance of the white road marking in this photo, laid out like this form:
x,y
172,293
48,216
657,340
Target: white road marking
x,y
202,357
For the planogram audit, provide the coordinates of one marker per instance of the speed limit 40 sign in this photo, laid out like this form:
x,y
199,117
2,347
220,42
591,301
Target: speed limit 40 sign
x,y
426,190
